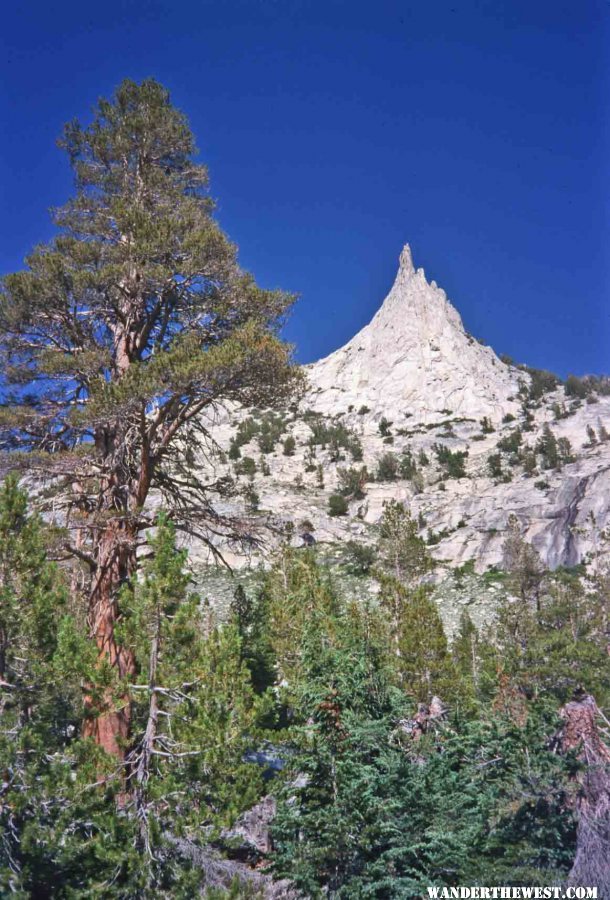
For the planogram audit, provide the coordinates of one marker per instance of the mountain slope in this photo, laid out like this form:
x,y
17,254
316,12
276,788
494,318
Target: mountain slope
x,y
468,441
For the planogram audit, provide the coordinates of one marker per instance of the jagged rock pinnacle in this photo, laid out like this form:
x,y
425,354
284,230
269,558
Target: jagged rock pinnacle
x,y
414,357
406,261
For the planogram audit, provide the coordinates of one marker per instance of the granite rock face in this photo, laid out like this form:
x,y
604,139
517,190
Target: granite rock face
x,y
414,356
437,387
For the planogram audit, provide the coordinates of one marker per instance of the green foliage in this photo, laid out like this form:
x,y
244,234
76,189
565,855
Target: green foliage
x,y
408,466
577,387
132,247
422,661
58,833
337,505
387,467
201,685
320,475
528,417
511,443
375,813
270,429
494,465
541,383
402,551
246,466
564,450
360,557
117,337
528,459
379,797
252,498
266,428
246,431
131,322
336,437
250,616
522,562
234,451
591,436
548,449
355,448
71,828
387,789
297,597
352,482
33,597
552,643
289,446
384,427
451,461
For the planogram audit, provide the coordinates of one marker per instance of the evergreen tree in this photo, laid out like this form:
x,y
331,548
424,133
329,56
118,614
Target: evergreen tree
x,y
523,563
416,633
402,552
387,467
558,649
466,656
33,601
370,810
422,660
547,447
297,594
337,505
59,830
116,339
352,482
195,710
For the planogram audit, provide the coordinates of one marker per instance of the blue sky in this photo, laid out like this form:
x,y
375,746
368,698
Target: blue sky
x,y
337,131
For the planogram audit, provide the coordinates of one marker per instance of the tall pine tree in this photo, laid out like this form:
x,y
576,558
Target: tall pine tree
x,y
118,341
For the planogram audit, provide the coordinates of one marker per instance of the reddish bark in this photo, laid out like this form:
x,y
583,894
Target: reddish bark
x,y
108,721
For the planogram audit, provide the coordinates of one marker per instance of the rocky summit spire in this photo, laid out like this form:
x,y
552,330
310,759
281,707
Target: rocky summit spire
x,y
406,261
414,358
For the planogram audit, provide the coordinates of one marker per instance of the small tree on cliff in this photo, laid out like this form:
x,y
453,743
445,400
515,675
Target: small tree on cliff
x,y
118,341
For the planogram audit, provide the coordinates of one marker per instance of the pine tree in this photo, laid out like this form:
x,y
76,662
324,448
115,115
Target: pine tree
x,y
369,810
558,649
402,552
117,338
416,631
466,656
422,660
548,449
58,829
523,563
196,709
33,599
296,594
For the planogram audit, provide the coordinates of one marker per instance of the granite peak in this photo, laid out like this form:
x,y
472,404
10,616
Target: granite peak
x,y
415,356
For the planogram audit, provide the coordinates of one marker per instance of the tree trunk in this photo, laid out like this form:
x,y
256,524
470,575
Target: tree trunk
x,y
108,719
